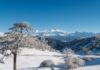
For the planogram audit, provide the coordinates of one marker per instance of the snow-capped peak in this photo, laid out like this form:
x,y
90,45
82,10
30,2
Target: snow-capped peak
x,y
57,30
51,32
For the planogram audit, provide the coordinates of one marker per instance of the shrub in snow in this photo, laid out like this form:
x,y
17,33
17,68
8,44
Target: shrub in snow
x,y
1,58
7,52
1,61
68,52
47,63
72,61
78,61
3,55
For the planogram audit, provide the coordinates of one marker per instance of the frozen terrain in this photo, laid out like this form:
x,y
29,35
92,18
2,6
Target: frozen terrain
x,y
30,59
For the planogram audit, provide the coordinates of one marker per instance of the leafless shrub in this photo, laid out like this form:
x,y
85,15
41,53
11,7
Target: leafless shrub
x,y
72,61
68,52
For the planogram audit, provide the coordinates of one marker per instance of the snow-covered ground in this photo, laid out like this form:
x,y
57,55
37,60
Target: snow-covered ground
x,y
30,59
94,67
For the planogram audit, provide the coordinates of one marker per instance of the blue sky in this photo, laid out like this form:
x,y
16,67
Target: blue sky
x,y
68,15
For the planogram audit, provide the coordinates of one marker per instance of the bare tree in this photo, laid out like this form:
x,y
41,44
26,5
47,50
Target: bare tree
x,y
20,36
15,39
17,33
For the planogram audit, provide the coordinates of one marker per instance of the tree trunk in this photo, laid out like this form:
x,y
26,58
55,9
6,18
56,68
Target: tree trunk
x,y
14,60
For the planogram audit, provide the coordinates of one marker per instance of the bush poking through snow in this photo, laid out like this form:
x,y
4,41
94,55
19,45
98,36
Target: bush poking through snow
x,y
71,61
47,63
1,58
68,52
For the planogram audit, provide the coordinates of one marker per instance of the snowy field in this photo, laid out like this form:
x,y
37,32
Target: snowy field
x,y
30,59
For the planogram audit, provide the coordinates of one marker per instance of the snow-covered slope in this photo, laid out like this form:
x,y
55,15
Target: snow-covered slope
x,y
95,67
30,59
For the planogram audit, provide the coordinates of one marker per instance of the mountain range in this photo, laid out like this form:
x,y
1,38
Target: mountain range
x,y
60,40
62,35
90,44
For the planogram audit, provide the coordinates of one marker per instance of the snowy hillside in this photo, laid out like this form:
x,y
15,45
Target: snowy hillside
x,y
95,67
30,59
